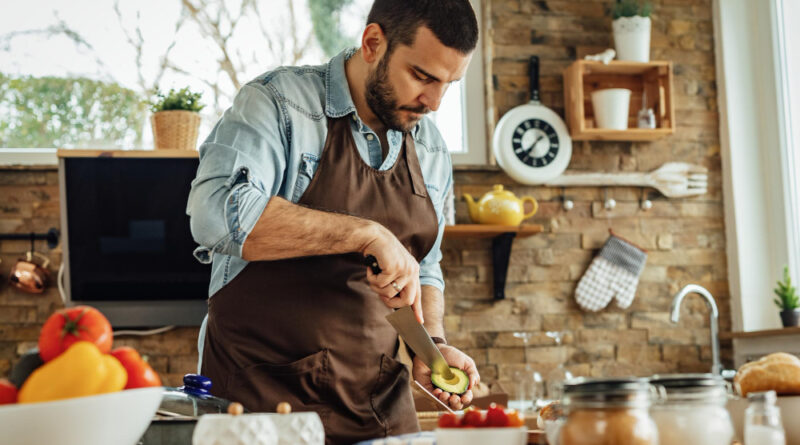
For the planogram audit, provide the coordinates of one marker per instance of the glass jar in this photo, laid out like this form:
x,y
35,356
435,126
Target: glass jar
x,y
608,411
691,410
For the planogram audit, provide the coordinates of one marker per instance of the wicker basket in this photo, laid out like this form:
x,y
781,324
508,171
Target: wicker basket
x,y
175,129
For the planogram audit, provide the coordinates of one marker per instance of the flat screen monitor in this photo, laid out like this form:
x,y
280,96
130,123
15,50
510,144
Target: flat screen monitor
x,y
126,237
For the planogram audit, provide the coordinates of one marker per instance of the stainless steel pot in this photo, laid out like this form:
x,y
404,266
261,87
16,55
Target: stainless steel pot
x,y
180,408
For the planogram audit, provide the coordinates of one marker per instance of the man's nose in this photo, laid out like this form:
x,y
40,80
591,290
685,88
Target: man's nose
x,y
432,96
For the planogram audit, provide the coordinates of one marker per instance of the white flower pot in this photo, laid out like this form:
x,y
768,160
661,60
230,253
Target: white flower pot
x,y
632,38
611,108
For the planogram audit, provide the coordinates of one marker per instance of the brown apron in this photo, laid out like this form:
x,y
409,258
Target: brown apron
x,y
310,331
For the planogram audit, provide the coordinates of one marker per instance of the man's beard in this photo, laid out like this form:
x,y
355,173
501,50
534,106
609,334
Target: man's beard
x,y
383,102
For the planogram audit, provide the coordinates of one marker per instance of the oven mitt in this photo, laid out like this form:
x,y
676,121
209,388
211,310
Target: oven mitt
x,y
613,273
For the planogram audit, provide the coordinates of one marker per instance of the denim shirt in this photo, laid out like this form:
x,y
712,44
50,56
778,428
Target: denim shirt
x,y
269,143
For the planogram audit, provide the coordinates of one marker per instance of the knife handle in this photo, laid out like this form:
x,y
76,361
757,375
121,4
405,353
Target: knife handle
x,y
372,262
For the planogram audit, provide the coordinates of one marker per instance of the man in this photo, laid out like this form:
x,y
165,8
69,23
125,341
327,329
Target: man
x,y
311,170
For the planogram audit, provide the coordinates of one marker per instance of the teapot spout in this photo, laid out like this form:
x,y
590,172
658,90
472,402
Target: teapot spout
x,y
472,206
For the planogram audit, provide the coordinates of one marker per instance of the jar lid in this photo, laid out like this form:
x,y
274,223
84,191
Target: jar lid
x,y
687,387
608,392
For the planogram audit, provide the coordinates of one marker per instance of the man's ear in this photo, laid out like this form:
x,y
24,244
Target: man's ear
x,y
373,43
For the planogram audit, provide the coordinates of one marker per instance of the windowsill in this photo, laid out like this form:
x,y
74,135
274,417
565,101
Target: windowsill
x,y
476,168
764,333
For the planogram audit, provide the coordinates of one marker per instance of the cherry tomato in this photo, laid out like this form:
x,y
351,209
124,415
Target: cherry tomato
x,y
140,373
496,416
70,325
515,418
8,392
472,419
448,420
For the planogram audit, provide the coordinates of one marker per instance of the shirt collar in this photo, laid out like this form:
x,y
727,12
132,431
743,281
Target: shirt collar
x,y
338,101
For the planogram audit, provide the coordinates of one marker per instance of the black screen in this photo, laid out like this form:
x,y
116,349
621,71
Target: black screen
x,y
129,236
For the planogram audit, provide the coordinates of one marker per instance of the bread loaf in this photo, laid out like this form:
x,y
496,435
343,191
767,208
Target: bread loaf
x,y
779,372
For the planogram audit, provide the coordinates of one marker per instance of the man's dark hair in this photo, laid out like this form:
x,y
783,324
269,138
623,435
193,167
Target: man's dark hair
x,y
453,22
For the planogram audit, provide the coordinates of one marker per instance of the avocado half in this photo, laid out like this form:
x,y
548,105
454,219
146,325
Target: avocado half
x,y
457,385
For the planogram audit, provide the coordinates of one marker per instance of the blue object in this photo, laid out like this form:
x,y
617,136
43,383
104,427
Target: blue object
x,y
196,385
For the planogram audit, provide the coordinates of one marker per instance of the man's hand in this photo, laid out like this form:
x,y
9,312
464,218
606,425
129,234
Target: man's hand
x,y
454,358
398,283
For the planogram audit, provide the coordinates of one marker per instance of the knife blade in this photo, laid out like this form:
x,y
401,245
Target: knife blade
x,y
418,339
424,389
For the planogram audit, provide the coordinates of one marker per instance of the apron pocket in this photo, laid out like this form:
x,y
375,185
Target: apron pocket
x,y
302,383
391,398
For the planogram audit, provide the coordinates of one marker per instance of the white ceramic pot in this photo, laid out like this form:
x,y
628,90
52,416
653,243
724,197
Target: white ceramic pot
x,y
611,108
632,38
790,409
225,429
482,436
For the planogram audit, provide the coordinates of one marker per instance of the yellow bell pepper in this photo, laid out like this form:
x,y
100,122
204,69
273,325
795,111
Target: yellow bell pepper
x,y
82,370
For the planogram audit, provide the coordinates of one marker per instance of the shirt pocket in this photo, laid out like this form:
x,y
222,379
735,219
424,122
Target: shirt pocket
x,y
307,168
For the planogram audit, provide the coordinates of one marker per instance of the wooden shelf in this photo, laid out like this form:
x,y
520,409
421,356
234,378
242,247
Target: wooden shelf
x,y
168,153
583,77
502,238
760,334
489,231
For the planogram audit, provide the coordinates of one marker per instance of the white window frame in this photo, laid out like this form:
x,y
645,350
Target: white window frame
x,y
473,103
761,206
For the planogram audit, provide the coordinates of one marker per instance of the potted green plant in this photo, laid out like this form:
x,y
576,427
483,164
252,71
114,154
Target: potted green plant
x,y
788,300
631,27
176,119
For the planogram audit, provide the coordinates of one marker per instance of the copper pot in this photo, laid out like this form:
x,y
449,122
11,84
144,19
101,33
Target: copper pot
x,y
30,274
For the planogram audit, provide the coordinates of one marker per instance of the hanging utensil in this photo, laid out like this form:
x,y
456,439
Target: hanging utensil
x,y
673,179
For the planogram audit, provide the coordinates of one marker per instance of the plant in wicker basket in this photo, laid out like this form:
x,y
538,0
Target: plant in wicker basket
x,y
176,119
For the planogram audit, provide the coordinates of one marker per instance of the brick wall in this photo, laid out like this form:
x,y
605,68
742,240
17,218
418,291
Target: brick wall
x,y
685,237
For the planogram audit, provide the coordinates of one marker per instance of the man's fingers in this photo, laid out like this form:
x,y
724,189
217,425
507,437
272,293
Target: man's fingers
x,y
416,304
455,402
466,398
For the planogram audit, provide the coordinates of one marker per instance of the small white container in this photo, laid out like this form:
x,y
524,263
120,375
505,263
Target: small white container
x,y
632,38
482,436
691,410
611,107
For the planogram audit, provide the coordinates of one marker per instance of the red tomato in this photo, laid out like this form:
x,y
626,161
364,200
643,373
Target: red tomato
x,y
472,419
496,416
140,373
8,392
71,325
448,420
515,419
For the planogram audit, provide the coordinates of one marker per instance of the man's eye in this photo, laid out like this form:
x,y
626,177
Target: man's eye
x,y
418,77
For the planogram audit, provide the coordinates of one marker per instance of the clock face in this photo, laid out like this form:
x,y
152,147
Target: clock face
x,y
535,143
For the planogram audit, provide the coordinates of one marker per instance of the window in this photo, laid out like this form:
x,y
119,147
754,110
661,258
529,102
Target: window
x,y
757,73
56,67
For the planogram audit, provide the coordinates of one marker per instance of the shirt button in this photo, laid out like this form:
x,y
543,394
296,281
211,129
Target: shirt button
x,y
370,137
355,119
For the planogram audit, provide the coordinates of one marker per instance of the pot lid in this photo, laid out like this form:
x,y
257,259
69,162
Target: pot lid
x,y
193,399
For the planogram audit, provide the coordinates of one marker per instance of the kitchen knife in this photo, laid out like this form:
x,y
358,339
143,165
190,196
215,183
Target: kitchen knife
x,y
418,339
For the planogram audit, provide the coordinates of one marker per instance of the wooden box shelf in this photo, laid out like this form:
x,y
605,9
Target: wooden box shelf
x,y
654,79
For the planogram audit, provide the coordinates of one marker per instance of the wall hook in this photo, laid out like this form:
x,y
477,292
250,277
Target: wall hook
x,y
566,203
645,204
610,203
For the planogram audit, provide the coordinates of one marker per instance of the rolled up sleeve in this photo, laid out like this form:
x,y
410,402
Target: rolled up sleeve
x,y
430,272
242,164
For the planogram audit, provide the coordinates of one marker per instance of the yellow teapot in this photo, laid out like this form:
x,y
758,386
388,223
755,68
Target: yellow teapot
x,y
500,207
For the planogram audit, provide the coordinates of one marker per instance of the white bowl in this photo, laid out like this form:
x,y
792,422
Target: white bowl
x,y
790,409
118,418
482,436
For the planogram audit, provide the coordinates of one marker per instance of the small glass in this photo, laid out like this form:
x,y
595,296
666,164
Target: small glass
x,y
560,374
528,385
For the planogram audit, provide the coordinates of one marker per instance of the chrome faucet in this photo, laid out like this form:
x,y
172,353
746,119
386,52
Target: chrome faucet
x,y
675,309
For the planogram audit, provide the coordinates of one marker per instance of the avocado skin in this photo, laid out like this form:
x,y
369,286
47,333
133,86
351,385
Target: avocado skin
x,y
458,388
